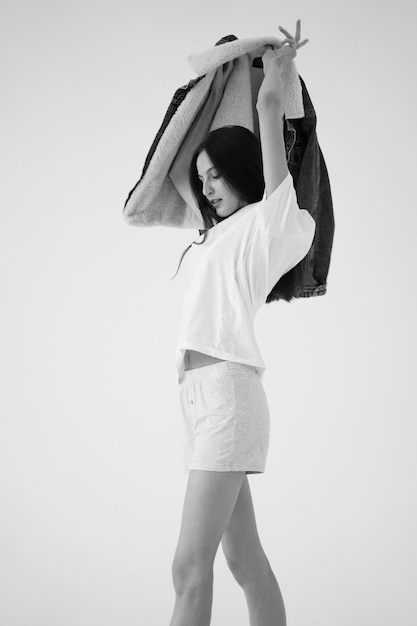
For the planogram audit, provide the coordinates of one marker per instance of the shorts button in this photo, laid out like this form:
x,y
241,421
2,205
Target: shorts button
x,y
191,401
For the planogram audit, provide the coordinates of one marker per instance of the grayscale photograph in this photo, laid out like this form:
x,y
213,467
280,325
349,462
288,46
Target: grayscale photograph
x,y
208,347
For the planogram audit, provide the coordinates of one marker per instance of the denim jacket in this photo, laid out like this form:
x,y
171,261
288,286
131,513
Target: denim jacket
x,y
311,182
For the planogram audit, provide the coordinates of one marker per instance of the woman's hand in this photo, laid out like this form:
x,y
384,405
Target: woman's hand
x,y
287,51
274,60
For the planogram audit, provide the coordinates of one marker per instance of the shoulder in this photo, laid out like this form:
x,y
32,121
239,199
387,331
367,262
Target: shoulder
x,y
280,215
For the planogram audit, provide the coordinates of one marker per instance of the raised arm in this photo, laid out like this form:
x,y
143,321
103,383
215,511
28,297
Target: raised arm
x,y
270,107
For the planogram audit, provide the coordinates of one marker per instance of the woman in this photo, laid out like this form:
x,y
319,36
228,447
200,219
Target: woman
x,y
248,245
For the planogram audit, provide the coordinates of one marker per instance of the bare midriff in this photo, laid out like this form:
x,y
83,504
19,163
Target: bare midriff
x,y
194,359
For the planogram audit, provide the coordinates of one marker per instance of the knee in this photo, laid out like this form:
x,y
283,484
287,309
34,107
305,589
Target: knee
x,y
239,568
247,569
191,575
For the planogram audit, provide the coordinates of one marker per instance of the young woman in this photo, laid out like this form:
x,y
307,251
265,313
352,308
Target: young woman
x,y
255,233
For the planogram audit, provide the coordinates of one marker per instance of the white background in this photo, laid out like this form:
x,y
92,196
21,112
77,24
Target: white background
x,y
92,482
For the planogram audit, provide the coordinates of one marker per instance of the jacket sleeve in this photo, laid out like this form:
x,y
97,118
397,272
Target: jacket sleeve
x,y
311,182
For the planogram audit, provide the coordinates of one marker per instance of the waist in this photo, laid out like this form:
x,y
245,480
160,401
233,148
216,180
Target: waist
x,y
194,359
216,371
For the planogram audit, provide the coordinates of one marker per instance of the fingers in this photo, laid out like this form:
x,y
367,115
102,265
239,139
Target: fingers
x,y
286,33
289,46
294,41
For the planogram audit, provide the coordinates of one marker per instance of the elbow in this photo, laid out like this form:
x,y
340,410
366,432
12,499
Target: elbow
x,y
270,102
132,216
128,214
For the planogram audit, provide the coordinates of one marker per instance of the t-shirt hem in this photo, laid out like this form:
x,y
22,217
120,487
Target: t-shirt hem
x,y
259,364
220,354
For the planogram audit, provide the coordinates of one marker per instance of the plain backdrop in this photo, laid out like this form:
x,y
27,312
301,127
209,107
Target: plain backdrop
x,y
91,479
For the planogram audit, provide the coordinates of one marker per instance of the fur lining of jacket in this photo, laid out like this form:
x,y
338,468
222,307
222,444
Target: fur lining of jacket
x,y
155,200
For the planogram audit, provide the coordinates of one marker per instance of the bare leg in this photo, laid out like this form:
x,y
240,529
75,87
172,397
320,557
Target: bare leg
x,y
249,564
209,502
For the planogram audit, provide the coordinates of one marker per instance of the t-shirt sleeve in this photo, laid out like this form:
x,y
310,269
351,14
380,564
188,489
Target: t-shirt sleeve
x,y
280,214
288,231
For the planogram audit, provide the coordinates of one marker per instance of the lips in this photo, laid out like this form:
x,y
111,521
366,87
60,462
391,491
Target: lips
x,y
215,202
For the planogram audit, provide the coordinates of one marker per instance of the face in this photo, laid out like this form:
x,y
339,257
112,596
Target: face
x,y
215,189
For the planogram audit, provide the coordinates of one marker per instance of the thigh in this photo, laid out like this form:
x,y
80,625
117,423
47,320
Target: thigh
x,y
240,541
208,505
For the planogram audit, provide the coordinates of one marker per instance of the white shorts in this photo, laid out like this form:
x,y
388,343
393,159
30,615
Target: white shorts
x,y
225,417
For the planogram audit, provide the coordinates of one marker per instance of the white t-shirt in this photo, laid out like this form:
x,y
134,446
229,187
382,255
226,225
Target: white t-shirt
x,y
234,270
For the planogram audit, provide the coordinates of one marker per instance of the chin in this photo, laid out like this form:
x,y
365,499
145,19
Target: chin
x,y
224,211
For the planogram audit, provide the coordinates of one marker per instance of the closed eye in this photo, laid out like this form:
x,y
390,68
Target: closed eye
x,y
215,176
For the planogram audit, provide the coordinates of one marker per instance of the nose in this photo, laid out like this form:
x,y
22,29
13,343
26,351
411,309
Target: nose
x,y
207,188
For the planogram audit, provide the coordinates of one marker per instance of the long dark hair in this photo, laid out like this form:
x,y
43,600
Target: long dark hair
x,y
237,157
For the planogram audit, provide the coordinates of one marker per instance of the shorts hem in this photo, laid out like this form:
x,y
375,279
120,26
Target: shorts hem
x,y
253,470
